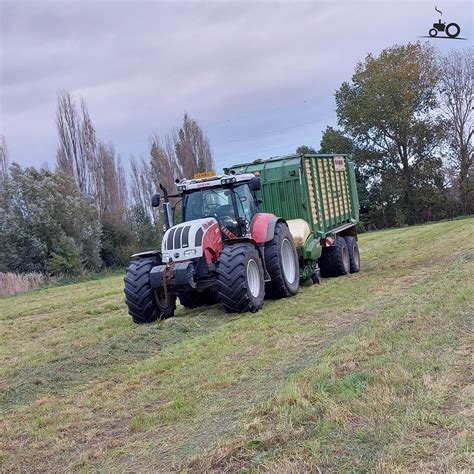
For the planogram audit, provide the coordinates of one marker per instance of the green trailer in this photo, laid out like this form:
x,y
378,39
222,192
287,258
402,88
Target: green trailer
x,y
256,231
317,196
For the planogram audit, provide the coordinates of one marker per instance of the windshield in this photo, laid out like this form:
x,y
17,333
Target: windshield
x,y
218,203
206,203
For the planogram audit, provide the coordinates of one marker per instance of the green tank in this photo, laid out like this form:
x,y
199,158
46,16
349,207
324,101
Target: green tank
x,y
315,194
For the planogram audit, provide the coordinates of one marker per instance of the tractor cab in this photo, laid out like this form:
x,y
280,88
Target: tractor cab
x,y
230,200
225,203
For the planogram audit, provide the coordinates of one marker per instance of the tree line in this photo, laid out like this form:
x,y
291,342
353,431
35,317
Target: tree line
x,y
405,117
90,213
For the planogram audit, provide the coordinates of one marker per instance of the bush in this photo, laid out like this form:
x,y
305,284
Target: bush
x,y
66,260
116,242
39,209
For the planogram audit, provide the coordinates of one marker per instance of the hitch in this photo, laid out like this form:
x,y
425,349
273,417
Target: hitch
x,y
166,277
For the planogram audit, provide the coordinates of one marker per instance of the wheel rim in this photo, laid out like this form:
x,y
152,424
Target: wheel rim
x,y
345,259
288,261
253,278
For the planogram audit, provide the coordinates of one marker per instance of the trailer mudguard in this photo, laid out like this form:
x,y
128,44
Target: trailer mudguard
x,y
263,225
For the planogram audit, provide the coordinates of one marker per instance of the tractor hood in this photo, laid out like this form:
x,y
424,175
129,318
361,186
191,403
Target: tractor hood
x,y
185,241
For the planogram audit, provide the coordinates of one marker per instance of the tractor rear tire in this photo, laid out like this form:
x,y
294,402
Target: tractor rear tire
x,y
334,260
194,299
240,279
354,256
281,260
144,303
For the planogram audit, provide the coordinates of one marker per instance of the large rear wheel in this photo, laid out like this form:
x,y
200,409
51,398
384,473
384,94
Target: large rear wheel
x,y
335,261
145,304
240,278
282,264
354,256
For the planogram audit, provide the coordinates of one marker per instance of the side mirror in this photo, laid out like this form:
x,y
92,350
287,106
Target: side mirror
x,y
155,200
255,184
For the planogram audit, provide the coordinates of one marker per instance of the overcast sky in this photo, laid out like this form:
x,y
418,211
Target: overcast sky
x,y
258,76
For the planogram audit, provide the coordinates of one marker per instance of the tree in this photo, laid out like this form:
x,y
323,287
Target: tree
x,y
375,196
388,108
305,150
142,187
45,219
72,152
163,162
192,148
457,91
90,161
4,160
111,194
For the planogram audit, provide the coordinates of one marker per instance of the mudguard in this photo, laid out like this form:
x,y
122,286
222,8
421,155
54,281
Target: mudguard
x,y
149,253
263,225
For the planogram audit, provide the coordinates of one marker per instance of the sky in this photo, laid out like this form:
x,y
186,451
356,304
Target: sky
x,y
258,76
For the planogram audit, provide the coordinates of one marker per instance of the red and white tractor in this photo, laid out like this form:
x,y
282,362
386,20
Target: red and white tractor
x,y
224,250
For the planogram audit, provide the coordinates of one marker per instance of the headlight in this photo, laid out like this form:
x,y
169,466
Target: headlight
x,y
165,257
228,180
189,253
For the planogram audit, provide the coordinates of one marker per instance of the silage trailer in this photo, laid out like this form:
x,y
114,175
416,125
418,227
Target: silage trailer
x,y
257,230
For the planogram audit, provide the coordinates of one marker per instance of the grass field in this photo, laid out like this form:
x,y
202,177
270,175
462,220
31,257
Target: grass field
x,y
367,372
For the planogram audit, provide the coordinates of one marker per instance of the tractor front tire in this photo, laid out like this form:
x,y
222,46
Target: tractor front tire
x,y
354,256
240,279
145,304
282,264
335,261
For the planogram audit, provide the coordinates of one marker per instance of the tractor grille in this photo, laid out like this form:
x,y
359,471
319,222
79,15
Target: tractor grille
x,y
199,234
178,237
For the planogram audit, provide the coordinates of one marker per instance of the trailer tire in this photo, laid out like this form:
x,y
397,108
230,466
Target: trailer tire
x,y
334,261
354,256
241,286
281,261
194,299
144,303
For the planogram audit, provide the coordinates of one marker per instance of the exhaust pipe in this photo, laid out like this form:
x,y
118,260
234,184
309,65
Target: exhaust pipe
x,y
167,208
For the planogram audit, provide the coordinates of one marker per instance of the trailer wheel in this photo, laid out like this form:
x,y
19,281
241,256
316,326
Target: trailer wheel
x,y
334,261
281,260
240,279
354,256
194,299
145,305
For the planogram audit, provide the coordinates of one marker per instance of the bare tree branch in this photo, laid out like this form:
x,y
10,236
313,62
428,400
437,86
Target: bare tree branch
x,y
4,159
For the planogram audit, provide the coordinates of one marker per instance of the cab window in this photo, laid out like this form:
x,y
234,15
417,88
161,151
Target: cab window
x,y
205,203
246,204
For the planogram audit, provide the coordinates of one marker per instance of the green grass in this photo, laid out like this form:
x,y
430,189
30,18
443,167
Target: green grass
x,y
370,372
